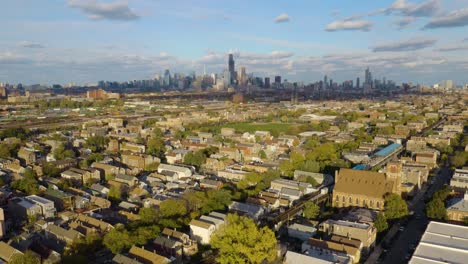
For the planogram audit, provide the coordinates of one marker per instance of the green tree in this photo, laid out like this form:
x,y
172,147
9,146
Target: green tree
x,y
311,210
61,153
115,194
118,239
240,240
27,258
9,150
435,209
148,215
50,170
173,213
262,154
395,206
155,146
459,159
97,143
381,222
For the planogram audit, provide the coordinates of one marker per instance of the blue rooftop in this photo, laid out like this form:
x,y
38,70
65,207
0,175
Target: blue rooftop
x,y
359,167
388,150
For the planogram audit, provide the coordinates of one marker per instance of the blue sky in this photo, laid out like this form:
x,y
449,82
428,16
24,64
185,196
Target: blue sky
x,y
84,41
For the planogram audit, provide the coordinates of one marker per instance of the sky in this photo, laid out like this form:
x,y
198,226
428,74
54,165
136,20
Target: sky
x,y
84,41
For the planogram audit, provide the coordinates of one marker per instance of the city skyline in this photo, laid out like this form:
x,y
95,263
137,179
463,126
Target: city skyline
x,y
87,41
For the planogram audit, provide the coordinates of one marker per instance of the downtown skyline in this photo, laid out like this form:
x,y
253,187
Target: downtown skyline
x,y
87,41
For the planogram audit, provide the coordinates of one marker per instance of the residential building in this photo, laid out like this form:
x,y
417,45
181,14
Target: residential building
x,y
457,210
126,179
366,233
7,252
333,247
315,257
201,231
47,206
442,243
22,208
459,181
250,210
181,172
302,232
146,256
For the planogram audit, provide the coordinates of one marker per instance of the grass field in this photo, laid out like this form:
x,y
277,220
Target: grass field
x,y
252,127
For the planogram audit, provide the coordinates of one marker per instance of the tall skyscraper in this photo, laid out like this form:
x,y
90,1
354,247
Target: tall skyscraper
x,y
278,79
325,82
231,65
368,77
167,78
357,83
267,82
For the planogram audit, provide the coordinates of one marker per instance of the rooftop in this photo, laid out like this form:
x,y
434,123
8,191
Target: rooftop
x,y
442,243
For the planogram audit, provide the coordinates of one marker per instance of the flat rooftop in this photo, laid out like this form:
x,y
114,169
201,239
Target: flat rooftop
x,y
442,243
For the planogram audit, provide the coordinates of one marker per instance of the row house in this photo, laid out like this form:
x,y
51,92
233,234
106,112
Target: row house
x,y
140,161
81,176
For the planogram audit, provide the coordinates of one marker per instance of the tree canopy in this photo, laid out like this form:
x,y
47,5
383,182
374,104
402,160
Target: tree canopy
x,y
97,143
27,258
311,210
395,206
381,222
240,240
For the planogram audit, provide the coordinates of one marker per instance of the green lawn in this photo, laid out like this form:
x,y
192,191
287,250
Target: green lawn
x,y
252,127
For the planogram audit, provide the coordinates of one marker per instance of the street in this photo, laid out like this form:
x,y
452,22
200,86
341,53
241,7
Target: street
x,y
401,249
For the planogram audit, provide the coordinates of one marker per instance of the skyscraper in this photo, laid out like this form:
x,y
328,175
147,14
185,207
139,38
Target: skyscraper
x,y
267,82
325,82
357,83
368,77
278,79
167,78
231,65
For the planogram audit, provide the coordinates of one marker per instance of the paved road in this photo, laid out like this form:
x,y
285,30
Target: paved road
x,y
402,248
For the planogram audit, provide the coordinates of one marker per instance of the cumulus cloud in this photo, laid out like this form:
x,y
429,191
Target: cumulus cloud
x,y
406,45
282,18
111,11
457,18
404,22
32,45
361,25
424,9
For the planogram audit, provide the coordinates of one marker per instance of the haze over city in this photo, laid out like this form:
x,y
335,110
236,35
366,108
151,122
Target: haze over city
x,y
86,41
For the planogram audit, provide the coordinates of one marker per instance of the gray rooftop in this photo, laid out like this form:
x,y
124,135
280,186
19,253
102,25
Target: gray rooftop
x,y
442,243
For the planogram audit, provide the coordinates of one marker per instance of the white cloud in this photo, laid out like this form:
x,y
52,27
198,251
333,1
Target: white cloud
x,y
361,25
424,9
405,45
282,18
457,18
28,44
111,11
456,47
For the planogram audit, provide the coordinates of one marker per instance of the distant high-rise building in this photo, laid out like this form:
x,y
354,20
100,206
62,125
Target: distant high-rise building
x,y
267,82
357,83
227,77
368,78
167,78
231,64
278,79
242,76
325,82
